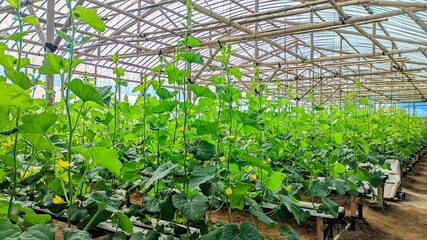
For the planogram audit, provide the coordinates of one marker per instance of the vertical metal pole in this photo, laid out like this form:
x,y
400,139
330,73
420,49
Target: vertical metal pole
x,y
50,95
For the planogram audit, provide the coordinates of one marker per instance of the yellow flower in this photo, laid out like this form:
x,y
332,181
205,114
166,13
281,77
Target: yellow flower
x,y
222,159
228,191
155,162
83,158
8,144
180,129
281,151
57,200
63,164
253,176
265,162
24,175
139,146
192,111
231,136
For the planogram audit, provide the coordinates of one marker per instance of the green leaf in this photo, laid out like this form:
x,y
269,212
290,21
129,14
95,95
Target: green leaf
x,y
37,123
218,80
338,137
90,17
201,174
19,78
7,61
202,150
65,64
85,91
364,101
191,57
257,211
119,71
39,142
330,206
299,214
33,219
163,93
73,234
39,232
247,232
105,202
193,208
124,222
175,75
17,36
51,64
161,172
13,95
64,36
206,127
235,72
201,91
254,161
8,230
107,158
31,20
190,42
275,181
239,192
14,3
164,106
339,168
288,233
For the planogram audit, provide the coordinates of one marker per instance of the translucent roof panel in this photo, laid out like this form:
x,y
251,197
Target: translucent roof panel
x,y
326,45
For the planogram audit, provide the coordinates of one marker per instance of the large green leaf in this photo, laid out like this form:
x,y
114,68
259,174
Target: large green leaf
x,y
201,174
37,123
39,232
90,17
239,192
299,214
85,91
288,233
193,208
124,222
107,158
38,141
19,78
206,127
73,234
257,211
13,95
14,3
201,91
165,106
175,75
161,172
246,232
51,64
7,61
275,181
5,121
202,150
8,230
330,206
254,161
191,57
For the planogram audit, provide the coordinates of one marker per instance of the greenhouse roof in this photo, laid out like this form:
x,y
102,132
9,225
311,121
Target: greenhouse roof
x,y
374,48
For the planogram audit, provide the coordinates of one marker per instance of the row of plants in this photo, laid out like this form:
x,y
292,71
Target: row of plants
x,y
84,156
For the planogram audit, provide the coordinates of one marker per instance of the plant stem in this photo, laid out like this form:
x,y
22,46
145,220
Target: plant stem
x,y
92,219
14,177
